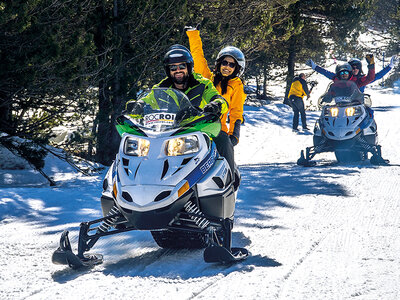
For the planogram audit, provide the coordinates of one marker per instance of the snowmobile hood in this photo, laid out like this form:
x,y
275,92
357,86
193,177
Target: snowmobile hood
x,y
342,122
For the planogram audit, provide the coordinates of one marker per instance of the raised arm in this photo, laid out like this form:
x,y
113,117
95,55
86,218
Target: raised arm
x,y
196,48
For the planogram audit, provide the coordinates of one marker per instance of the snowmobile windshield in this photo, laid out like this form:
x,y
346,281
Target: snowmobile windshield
x,y
165,109
342,93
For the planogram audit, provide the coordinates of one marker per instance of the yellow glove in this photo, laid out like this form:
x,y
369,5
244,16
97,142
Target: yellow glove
x,y
370,59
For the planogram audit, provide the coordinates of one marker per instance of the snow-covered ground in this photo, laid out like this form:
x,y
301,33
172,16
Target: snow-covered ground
x,y
326,232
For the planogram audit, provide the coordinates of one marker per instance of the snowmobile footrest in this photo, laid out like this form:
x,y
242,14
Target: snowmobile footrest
x,y
218,254
64,255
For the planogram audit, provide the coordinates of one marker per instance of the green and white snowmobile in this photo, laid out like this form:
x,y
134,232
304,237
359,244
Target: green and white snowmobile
x,y
167,178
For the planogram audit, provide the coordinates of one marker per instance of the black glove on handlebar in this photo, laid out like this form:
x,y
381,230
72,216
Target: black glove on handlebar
x,y
213,107
135,107
187,112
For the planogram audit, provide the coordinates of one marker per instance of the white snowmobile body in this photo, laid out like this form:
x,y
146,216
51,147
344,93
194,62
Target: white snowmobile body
x,y
150,190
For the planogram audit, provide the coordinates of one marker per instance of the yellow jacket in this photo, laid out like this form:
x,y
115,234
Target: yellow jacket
x,y
234,95
298,88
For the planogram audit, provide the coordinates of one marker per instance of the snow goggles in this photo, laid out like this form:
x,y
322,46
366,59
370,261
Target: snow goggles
x,y
176,67
227,63
355,67
344,72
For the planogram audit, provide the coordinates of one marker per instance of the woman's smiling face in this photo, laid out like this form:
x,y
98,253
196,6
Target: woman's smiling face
x,y
226,66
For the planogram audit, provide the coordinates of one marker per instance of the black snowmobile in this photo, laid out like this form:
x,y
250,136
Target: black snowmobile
x,y
167,178
346,127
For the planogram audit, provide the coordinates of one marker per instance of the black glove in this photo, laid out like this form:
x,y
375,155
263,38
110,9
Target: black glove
x,y
213,107
234,137
187,112
370,59
234,140
135,107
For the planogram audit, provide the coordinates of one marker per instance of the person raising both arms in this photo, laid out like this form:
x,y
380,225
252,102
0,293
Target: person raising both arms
x,y
357,69
229,65
356,73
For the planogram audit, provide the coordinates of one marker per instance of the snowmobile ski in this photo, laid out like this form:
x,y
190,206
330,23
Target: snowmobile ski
x,y
218,254
302,161
64,255
379,161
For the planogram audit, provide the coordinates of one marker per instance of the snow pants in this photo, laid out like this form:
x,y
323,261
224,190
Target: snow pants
x,y
225,149
298,107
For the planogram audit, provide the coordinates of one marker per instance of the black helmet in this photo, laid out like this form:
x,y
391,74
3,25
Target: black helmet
x,y
177,54
356,62
177,46
237,55
343,67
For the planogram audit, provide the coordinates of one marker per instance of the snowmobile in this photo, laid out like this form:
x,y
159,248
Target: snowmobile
x,y
167,178
346,126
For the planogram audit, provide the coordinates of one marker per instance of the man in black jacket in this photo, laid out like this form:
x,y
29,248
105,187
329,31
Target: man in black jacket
x,y
298,90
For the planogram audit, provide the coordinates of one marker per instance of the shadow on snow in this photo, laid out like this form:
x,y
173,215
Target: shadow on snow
x,y
263,186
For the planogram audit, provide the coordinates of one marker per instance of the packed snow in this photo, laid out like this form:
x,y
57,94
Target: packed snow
x,y
324,232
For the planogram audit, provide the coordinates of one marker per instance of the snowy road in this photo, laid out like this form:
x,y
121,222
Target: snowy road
x,y
327,232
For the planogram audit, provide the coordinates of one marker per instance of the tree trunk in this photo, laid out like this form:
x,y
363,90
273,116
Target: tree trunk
x,y
290,64
265,82
104,128
5,114
292,49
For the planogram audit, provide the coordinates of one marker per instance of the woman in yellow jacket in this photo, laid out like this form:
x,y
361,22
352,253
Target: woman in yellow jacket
x,y
229,66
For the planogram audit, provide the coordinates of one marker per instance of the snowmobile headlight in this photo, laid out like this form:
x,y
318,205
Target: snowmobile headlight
x,y
353,111
182,145
136,147
334,111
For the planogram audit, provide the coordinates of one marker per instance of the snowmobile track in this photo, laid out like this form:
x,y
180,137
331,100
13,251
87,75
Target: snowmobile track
x,y
298,263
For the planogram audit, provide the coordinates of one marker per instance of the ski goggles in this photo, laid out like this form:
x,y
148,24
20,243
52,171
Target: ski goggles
x,y
176,67
344,72
227,63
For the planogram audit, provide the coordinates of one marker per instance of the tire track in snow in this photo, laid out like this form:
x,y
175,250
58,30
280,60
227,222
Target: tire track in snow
x,y
297,264
361,226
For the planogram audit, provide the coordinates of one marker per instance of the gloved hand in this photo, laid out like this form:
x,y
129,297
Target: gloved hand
x,y
190,28
393,61
370,59
234,137
135,107
213,107
186,112
311,64
234,140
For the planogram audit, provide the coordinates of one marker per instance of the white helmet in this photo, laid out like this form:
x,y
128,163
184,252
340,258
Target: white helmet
x,y
237,55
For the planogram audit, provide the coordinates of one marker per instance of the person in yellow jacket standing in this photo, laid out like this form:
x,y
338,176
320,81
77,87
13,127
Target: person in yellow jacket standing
x,y
230,64
298,90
